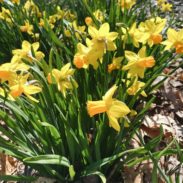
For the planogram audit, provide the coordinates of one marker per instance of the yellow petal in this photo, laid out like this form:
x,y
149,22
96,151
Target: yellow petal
x,y
92,31
113,122
108,95
118,109
26,45
104,29
131,56
142,52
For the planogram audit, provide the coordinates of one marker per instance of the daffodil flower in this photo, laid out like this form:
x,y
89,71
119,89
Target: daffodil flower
x,y
135,35
114,108
8,70
138,62
152,29
102,38
63,78
135,87
166,7
127,4
20,85
87,55
175,40
116,64
26,52
27,27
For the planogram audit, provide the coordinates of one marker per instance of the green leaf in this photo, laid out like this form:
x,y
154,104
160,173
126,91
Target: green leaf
x,y
101,175
48,159
17,178
72,172
54,132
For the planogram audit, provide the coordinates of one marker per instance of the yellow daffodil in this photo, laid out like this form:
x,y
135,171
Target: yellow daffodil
x,y
5,14
79,30
8,70
99,15
20,86
102,38
166,7
127,4
138,62
32,8
135,35
175,40
27,27
135,87
87,55
63,78
80,58
116,64
26,53
114,108
152,29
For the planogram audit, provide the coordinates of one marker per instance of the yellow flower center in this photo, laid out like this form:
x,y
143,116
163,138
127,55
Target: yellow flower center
x,y
146,62
179,47
156,38
79,61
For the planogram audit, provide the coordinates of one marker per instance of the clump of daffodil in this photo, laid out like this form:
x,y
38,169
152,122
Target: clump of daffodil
x,y
137,63
102,41
114,108
135,87
27,27
87,55
116,64
151,29
26,52
63,78
126,4
175,40
20,85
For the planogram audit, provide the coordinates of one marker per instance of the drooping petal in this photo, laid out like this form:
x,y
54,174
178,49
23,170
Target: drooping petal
x,y
113,122
118,109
